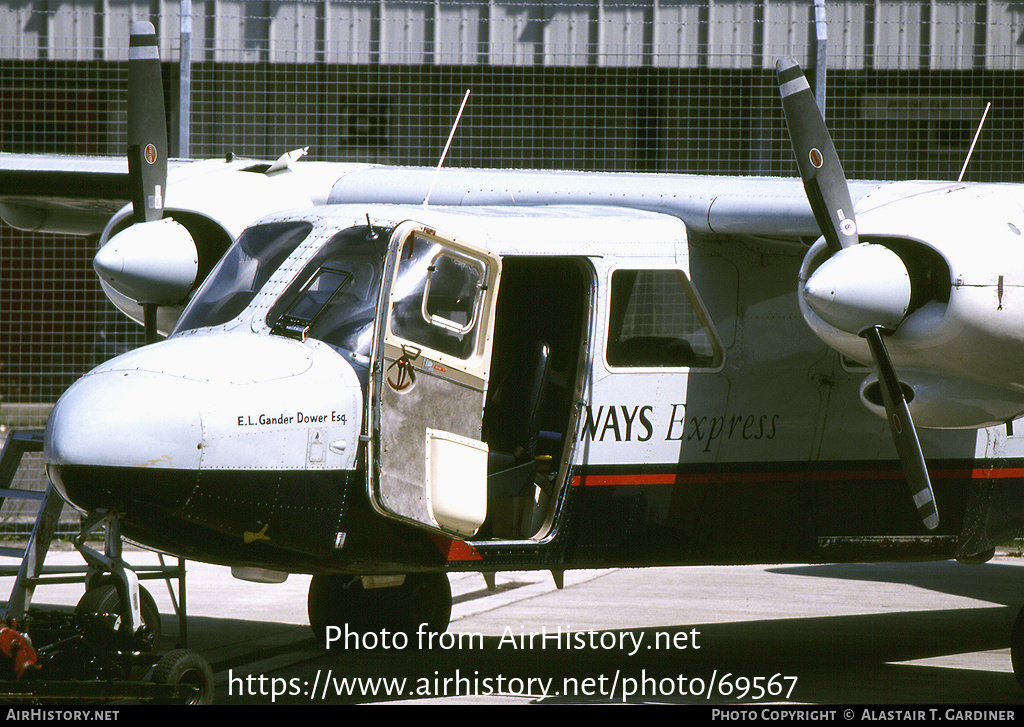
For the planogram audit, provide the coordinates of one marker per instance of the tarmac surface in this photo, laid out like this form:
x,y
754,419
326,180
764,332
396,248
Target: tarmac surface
x,y
924,633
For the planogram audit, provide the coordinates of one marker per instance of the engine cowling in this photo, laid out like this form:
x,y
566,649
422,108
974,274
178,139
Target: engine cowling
x,y
212,203
953,255
160,263
945,402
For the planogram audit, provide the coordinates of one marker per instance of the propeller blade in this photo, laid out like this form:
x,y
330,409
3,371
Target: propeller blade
x,y
829,196
908,447
147,125
816,158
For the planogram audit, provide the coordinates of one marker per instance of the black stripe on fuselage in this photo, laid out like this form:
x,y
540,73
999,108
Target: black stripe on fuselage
x,y
611,516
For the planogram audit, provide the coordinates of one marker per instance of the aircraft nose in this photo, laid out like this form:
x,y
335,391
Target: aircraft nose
x,y
164,412
128,422
123,419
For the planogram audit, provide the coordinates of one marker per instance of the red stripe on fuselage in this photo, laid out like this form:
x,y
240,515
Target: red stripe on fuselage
x,y
669,478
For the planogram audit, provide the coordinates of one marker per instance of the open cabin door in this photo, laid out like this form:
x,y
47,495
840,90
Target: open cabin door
x,y
427,464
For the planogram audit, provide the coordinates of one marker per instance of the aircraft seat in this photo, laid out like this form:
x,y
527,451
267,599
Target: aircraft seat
x,y
515,425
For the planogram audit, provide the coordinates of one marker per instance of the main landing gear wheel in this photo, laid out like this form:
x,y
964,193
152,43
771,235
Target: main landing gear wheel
x,y
341,600
1017,648
103,598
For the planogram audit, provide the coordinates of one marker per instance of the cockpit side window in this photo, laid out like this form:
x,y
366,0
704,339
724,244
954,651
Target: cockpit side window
x,y
656,320
314,298
240,274
334,298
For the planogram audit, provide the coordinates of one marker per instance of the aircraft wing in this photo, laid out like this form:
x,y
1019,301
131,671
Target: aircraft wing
x,y
78,195
72,195
63,194
765,207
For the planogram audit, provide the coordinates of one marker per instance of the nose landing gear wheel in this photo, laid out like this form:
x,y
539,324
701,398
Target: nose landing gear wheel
x,y
104,598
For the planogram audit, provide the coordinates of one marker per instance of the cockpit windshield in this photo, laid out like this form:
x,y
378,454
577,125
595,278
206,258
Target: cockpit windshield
x,y
246,266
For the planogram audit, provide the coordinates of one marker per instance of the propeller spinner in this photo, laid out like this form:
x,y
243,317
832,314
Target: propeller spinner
x,y
829,197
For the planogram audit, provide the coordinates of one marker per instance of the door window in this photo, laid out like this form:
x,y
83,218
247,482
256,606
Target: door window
x,y
437,299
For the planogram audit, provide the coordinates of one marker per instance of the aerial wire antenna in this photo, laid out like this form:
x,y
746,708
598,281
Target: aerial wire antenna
x,y
975,141
451,135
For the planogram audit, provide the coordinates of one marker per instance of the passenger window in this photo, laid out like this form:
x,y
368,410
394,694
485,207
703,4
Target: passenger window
x,y
656,320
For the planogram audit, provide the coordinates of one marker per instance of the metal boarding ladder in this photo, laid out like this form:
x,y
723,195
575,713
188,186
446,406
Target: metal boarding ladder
x,y
32,570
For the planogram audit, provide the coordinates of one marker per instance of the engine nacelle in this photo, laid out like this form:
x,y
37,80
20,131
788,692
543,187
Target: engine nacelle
x,y
150,262
943,402
160,263
211,202
960,347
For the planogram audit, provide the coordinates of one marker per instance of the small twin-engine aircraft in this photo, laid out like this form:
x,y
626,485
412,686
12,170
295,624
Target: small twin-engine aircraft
x,y
380,375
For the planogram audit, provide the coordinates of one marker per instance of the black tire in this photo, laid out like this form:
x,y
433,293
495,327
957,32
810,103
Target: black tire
x,y
335,600
186,668
103,598
425,598
1017,648
341,601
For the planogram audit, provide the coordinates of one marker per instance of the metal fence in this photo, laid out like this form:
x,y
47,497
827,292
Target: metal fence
x,y
623,85
658,85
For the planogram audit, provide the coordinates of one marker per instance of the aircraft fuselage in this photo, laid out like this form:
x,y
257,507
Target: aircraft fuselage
x,y
688,415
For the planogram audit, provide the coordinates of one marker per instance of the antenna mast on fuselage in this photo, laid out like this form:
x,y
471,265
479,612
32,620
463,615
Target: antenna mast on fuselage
x,y
451,135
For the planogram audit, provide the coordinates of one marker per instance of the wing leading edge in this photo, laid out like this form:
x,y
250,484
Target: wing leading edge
x,y
71,195
61,194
